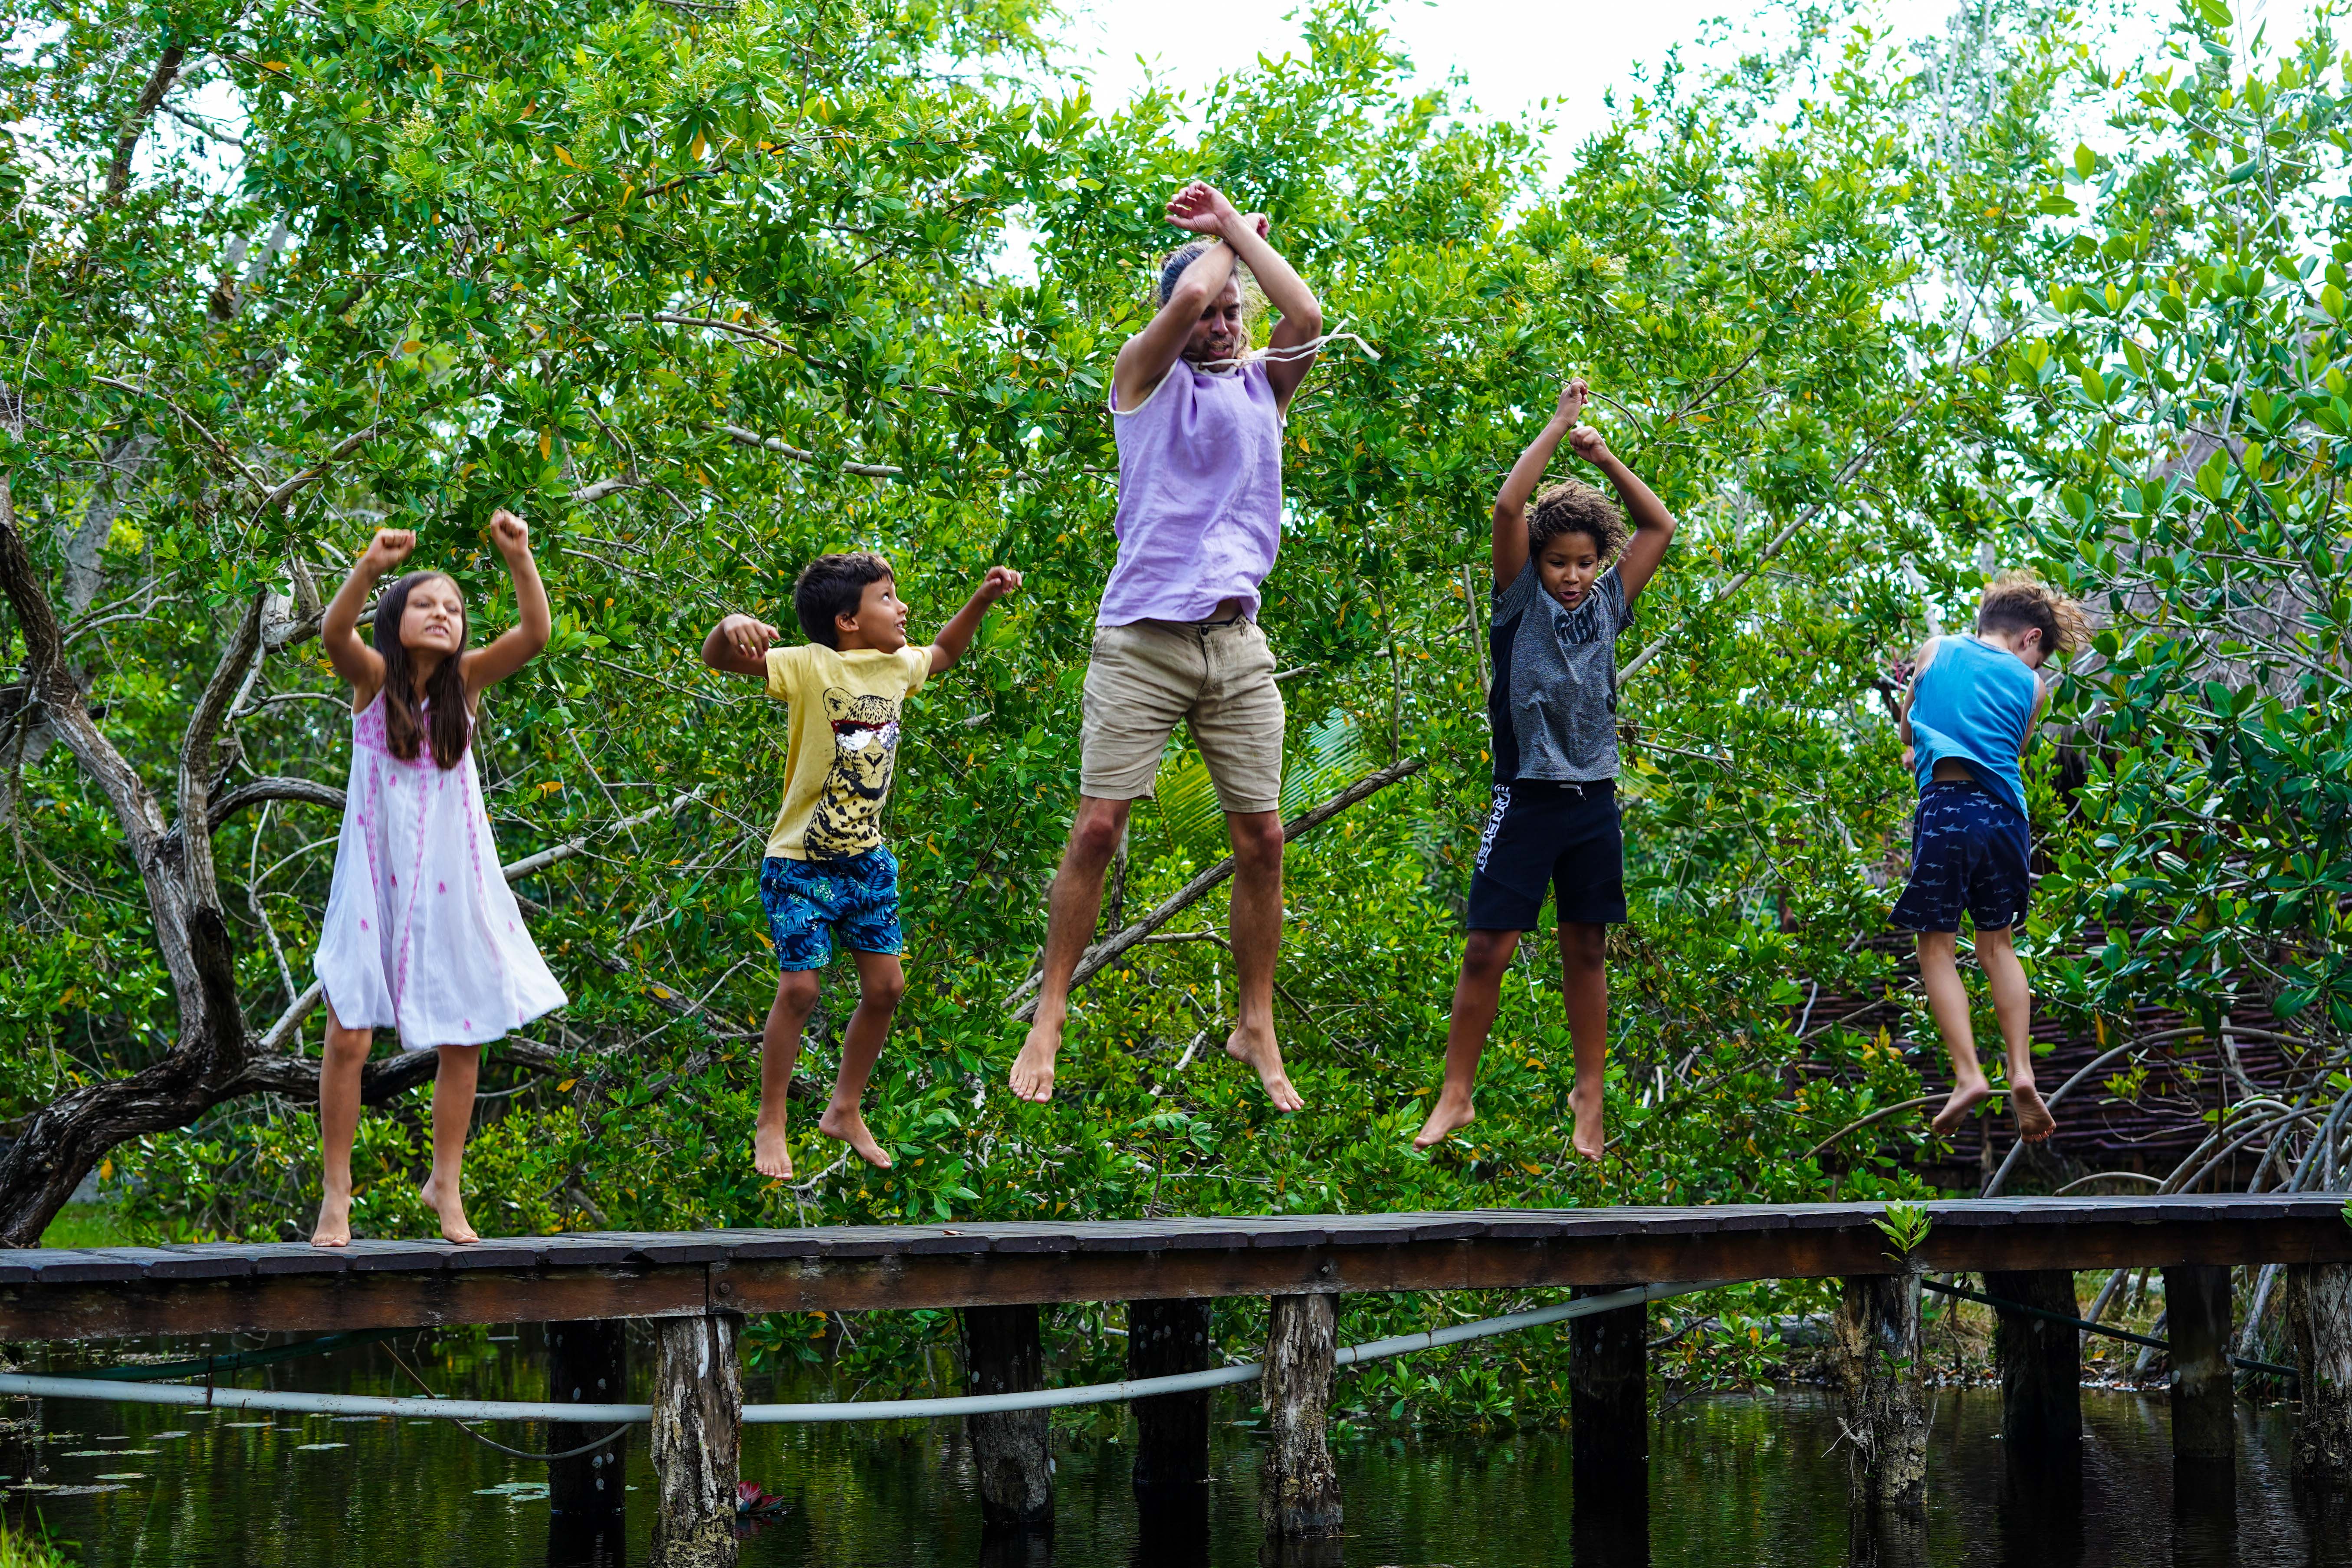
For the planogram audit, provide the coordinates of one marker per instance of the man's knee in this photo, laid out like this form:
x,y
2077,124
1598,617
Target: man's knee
x,y
1583,945
882,991
1257,840
1094,837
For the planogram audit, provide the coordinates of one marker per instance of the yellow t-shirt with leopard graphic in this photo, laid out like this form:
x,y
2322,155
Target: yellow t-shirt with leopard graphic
x,y
844,738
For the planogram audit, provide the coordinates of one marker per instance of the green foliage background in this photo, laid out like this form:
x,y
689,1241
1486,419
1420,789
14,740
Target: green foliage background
x,y
1862,315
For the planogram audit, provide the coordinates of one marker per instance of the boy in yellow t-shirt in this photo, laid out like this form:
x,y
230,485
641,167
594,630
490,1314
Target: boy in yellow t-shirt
x,y
826,868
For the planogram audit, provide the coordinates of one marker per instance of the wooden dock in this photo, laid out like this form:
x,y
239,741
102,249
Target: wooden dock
x,y
697,1286
100,1292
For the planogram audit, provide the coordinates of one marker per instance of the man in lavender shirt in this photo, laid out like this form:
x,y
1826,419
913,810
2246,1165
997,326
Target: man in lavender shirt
x,y
1199,422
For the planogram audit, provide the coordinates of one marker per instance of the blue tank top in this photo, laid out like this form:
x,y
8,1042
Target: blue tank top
x,y
1974,703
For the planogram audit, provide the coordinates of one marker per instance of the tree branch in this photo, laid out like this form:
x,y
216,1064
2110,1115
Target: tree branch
x,y
1023,1003
197,746
743,437
343,448
274,787
159,82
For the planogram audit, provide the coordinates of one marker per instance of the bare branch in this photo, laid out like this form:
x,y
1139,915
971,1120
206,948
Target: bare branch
x,y
253,791
196,748
159,82
343,448
1023,1003
743,437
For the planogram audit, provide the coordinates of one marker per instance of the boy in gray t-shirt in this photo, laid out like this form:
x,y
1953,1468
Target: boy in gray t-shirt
x,y
1553,711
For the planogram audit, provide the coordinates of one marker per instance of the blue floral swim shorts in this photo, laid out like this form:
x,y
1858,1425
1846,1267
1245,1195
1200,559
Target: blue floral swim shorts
x,y
807,900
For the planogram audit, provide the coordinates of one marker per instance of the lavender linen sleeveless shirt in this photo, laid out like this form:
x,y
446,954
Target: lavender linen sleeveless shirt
x,y
1200,496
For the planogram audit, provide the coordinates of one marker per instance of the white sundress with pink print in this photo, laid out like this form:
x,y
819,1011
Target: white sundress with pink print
x,y
421,935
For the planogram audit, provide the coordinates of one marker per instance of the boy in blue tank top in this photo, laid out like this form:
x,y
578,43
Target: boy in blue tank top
x,y
1965,721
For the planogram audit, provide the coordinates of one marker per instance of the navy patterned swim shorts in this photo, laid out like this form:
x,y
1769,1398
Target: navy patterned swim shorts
x,y
1968,850
806,900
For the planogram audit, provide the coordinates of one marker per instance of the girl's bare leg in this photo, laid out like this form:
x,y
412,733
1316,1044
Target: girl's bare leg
x,y
2013,1005
453,1116
1585,981
1477,996
880,983
779,1052
1948,999
340,1065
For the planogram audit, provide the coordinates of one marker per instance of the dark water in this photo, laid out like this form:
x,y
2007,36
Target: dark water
x,y
1746,1482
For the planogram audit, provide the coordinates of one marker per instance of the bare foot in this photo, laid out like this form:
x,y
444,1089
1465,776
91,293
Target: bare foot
x,y
334,1221
1450,1115
1033,1069
850,1127
1967,1095
1258,1047
2034,1121
452,1212
1589,1139
770,1156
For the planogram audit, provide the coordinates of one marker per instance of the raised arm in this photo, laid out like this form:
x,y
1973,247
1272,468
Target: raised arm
x,y
340,630
1245,234
1511,502
1147,356
534,623
739,646
957,634
1654,525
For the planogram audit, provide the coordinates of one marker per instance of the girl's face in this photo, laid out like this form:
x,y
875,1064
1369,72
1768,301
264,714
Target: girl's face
x,y
1219,334
433,623
1565,565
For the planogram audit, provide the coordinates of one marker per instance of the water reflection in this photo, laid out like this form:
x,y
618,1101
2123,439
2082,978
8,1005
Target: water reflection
x,y
1751,1482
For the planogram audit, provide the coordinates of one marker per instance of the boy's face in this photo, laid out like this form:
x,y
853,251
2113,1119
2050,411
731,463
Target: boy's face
x,y
1565,565
880,622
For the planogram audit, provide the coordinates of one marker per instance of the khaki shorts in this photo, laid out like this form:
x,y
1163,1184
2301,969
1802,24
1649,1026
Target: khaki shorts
x,y
1215,675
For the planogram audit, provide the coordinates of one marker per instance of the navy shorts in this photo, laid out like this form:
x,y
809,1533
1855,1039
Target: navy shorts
x,y
1968,850
1541,834
807,900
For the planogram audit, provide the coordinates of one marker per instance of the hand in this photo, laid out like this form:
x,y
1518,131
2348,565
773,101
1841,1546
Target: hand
x,y
1587,444
1910,758
388,549
1260,222
749,636
1202,208
1571,401
999,581
510,534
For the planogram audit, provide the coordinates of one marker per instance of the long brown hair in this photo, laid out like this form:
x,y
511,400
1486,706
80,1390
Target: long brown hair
x,y
445,689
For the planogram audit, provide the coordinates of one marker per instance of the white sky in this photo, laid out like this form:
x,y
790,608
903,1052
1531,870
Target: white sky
x,y
1516,54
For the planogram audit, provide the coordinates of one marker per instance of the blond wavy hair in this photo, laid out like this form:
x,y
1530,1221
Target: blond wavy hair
x,y
2018,601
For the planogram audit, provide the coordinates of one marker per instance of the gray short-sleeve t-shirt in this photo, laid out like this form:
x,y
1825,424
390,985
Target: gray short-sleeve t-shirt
x,y
1553,704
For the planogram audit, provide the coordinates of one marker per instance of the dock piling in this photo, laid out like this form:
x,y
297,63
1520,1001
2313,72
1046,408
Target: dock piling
x,y
2319,1320
587,1364
2041,1369
1882,1391
2197,1315
1012,1450
1609,1434
1172,1430
1298,1491
697,1434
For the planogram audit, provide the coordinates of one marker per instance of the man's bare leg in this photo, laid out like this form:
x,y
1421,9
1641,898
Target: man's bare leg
x,y
1477,997
779,1052
1948,999
340,1067
1074,905
1256,935
454,1078
2013,1005
1584,982
880,983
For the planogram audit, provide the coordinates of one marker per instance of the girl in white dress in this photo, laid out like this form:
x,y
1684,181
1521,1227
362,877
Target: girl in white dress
x,y
422,935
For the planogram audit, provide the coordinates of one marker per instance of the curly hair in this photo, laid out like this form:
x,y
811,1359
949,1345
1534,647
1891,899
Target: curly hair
x,y
1572,506
2019,601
